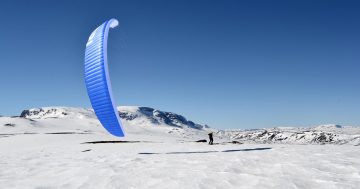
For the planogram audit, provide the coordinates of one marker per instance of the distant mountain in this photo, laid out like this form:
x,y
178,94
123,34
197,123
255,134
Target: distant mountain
x,y
323,134
153,116
144,116
139,122
146,121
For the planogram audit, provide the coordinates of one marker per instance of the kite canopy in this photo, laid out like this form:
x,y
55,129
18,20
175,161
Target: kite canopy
x,y
98,81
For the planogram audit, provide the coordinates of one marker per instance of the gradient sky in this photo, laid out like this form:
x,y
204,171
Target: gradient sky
x,y
229,64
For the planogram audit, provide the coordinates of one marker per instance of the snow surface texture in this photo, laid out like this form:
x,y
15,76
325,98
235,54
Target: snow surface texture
x,y
49,148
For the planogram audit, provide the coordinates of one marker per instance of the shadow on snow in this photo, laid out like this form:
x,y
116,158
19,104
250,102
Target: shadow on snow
x,y
115,141
205,152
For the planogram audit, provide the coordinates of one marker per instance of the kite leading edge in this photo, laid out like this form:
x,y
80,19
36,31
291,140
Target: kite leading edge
x,y
97,79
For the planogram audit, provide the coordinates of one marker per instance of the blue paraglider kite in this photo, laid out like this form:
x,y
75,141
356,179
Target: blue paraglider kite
x,y
98,81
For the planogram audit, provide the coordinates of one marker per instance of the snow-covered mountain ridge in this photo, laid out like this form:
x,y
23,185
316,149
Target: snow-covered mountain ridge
x,y
138,122
323,134
149,121
144,116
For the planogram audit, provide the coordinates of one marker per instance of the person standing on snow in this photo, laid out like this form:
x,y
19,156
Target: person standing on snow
x,y
211,140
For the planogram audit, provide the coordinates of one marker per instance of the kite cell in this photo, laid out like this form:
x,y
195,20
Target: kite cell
x,y
98,81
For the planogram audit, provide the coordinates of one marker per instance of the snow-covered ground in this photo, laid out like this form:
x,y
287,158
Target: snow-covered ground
x,y
49,148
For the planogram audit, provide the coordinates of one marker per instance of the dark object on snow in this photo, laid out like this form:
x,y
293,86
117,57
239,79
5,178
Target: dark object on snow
x,y
203,140
9,125
211,140
86,150
236,142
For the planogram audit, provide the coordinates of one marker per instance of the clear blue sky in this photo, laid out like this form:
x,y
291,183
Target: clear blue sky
x,y
230,64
